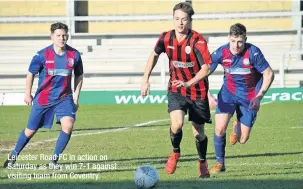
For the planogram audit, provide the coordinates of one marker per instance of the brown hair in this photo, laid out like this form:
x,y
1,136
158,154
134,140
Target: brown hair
x,y
185,7
57,26
237,30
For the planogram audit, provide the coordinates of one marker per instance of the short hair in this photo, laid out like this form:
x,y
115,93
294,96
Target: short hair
x,y
185,7
237,30
58,25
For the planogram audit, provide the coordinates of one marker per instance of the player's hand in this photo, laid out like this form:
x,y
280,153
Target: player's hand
x,y
255,104
145,88
28,99
212,101
179,83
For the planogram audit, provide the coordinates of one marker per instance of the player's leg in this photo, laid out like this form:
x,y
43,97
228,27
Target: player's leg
x,y
224,111
222,120
177,111
199,114
176,133
234,131
246,118
66,114
35,121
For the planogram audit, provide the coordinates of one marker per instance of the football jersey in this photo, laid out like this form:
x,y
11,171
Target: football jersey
x,y
185,60
242,72
55,73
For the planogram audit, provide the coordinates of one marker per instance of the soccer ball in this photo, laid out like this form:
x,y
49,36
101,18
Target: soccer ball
x,y
146,176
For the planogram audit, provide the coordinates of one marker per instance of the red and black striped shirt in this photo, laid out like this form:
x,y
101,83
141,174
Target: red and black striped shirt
x,y
185,61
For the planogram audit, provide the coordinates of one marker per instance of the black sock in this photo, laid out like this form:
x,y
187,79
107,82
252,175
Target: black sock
x,y
202,148
176,140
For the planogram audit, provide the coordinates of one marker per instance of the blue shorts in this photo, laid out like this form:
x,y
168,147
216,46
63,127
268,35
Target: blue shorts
x,y
229,103
43,116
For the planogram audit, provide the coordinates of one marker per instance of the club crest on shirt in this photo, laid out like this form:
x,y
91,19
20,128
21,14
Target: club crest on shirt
x,y
246,62
70,62
187,49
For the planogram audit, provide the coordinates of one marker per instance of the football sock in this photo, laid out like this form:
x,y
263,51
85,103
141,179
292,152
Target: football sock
x,y
236,129
21,143
202,148
61,144
220,143
176,140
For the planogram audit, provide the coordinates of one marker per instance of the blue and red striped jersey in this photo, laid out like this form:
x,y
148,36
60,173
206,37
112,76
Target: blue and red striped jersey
x,y
242,72
55,73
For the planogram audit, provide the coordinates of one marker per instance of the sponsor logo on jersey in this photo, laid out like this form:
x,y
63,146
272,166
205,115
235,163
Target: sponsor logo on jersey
x,y
239,71
179,64
61,72
170,47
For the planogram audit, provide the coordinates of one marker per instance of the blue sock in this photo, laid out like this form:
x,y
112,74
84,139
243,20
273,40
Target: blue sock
x,y
21,143
61,144
220,143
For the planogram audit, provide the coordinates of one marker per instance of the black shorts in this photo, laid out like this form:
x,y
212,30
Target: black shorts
x,y
198,110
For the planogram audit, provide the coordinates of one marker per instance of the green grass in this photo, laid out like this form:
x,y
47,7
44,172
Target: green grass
x,y
271,159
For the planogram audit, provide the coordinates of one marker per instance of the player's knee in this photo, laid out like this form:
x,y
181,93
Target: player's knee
x,y
200,137
176,129
29,133
67,124
176,126
220,131
67,128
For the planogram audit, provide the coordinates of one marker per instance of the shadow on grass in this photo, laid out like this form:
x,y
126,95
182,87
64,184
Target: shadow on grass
x,y
185,158
182,184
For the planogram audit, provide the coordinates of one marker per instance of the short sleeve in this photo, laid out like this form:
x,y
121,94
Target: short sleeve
x,y
78,70
216,59
202,52
36,64
259,61
159,47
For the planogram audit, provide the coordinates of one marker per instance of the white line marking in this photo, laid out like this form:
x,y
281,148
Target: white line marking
x,y
264,163
100,132
151,122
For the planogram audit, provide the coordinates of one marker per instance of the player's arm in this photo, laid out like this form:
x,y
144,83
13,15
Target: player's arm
x,y
216,60
78,80
262,66
34,68
28,90
268,78
151,63
204,59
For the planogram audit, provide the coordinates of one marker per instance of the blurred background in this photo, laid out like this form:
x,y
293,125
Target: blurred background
x,y
115,38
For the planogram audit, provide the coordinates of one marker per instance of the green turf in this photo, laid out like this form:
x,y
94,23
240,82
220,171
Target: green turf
x,y
272,158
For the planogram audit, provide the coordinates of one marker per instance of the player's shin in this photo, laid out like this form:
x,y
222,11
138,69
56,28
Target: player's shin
x,y
220,143
201,145
62,141
21,143
176,140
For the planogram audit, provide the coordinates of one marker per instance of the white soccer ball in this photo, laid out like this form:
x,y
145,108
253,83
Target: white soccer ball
x,y
146,176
